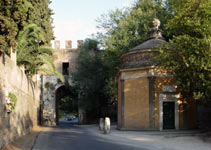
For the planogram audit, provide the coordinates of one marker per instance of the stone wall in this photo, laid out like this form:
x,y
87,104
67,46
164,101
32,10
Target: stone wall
x,y
25,115
50,85
66,56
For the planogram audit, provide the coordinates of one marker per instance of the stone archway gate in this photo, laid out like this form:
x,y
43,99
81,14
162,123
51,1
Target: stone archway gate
x,y
48,106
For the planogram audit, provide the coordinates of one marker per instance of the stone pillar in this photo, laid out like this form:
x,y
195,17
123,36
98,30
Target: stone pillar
x,y
81,116
79,42
122,103
49,105
68,44
152,101
49,101
101,124
107,126
56,44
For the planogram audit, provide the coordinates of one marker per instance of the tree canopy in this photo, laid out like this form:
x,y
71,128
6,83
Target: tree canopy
x,y
188,54
36,58
126,28
122,30
13,18
26,26
40,14
186,28
16,14
91,79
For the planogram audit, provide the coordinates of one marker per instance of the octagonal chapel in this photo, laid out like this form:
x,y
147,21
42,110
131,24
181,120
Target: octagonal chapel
x,y
147,96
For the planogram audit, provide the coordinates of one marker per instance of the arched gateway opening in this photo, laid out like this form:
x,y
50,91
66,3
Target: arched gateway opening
x,y
66,102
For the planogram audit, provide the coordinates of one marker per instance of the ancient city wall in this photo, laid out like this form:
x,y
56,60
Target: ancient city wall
x,y
51,83
66,55
25,115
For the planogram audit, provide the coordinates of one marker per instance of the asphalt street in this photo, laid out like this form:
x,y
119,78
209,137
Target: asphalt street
x,y
69,136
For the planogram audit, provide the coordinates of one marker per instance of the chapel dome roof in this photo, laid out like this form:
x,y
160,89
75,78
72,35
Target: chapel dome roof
x,y
141,55
150,44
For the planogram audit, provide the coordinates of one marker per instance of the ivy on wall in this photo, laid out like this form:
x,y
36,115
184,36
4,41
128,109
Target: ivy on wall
x,y
13,99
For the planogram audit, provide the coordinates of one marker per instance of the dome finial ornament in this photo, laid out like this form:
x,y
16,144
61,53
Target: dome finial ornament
x,y
156,23
156,32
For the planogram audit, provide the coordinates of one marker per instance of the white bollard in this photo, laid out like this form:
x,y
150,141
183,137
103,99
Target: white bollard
x,y
107,125
101,124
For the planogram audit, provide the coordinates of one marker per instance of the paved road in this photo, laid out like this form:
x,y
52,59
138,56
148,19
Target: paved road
x,y
68,136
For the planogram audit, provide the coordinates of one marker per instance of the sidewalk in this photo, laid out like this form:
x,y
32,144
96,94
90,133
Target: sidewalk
x,y
156,140
24,143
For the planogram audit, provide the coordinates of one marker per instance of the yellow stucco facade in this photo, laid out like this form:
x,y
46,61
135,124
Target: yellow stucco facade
x,y
134,106
134,116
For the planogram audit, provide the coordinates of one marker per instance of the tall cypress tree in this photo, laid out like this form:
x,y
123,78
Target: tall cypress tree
x,y
16,14
40,14
13,18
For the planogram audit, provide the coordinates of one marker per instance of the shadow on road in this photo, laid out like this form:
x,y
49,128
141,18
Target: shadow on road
x,y
70,136
25,142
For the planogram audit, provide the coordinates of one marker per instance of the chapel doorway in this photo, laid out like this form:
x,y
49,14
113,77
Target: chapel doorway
x,y
168,115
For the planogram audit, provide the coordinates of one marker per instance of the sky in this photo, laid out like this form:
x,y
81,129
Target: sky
x,y
76,19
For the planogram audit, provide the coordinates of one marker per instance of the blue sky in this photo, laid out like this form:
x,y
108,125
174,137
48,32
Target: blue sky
x,y
75,19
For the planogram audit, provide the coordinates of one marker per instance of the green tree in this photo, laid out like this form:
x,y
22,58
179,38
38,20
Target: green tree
x,y
68,105
16,14
40,14
13,18
34,57
27,26
188,54
126,28
90,79
123,30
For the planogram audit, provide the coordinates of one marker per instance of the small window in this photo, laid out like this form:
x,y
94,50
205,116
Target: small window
x,y
65,69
